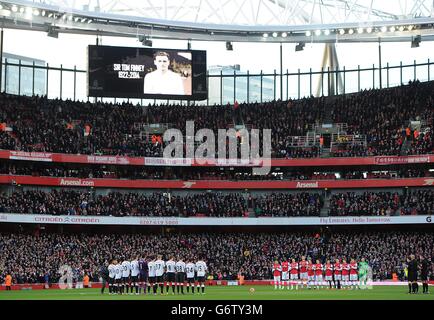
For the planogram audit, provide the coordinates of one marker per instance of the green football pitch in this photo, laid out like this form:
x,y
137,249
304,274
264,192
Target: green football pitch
x,y
227,293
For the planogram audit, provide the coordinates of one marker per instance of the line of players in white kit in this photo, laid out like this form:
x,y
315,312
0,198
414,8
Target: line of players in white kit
x,y
153,272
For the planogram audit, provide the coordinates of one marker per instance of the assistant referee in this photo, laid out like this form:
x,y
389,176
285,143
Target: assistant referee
x,y
412,275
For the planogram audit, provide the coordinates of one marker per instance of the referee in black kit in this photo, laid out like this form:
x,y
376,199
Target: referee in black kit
x,y
412,275
424,273
104,273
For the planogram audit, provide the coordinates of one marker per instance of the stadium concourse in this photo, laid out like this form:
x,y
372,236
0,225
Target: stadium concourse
x,y
62,160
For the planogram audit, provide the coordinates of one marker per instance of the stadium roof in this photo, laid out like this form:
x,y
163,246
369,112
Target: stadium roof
x,y
231,20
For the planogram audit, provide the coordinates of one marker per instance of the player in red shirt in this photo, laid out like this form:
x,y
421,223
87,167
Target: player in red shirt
x,y
303,271
318,267
345,274
293,271
353,273
329,273
277,269
285,274
337,274
310,273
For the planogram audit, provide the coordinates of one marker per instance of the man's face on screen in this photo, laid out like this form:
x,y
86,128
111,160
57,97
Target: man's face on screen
x,y
162,63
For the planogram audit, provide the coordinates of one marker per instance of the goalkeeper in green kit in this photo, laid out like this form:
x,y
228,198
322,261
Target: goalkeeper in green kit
x,y
363,273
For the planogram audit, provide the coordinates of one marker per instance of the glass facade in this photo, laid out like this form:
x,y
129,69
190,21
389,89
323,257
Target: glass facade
x,y
229,83
23,75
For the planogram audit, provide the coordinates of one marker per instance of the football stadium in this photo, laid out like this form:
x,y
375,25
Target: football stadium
x,y
216,150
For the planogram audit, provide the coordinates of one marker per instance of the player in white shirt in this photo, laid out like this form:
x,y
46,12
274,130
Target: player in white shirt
x,y
151,275
163,80
190,268
118,276
126,268
112,274
201,269
159,272
180,275
171,274
135,271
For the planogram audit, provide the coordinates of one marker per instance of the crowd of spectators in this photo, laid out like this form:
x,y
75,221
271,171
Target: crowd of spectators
x,y
38,257
418,202
288,204
40,124
185,173
216,204
381,115
412,202
71,202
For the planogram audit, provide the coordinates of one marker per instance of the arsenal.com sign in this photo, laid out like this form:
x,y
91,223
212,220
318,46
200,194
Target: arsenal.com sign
x,y
204,221
76,182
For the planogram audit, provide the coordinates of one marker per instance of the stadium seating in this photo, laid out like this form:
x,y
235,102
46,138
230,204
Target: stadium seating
x,y
30,256
383,116
216,204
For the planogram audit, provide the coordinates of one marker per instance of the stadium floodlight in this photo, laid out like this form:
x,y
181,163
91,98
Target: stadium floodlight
x,y
64,17
76,19
83,20
14,8
318,32
341,32
229,46
50,15
308,33
416,41
21,10
327,32
401,28
351,31
36,12
70,18
392,29
43,13
28,13
1,7
274,34
284,34
89,21
265,35
383,29
300,46
410,27
360,30
369,30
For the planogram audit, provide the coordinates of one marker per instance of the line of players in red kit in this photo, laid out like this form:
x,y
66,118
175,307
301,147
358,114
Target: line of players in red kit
x,y
315,275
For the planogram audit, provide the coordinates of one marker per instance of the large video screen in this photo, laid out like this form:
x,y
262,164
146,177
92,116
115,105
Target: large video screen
x,y
149,73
